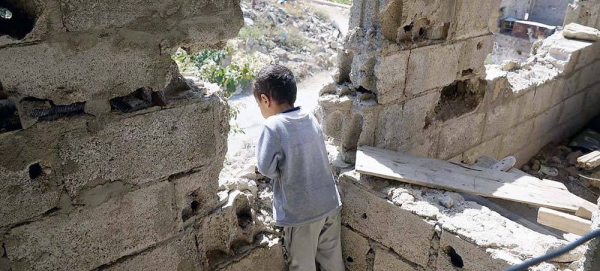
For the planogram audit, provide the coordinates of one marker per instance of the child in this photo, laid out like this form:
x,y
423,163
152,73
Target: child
x,y
291,152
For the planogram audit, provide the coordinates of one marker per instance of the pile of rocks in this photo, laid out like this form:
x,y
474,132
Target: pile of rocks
x,y
558,162
293,34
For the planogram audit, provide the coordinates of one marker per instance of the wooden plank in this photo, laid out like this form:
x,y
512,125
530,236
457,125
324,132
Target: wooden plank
x,y
586,209
589,161
444,175
563,222
509,214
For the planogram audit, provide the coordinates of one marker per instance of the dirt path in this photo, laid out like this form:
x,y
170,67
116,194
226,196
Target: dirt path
x,y
340,15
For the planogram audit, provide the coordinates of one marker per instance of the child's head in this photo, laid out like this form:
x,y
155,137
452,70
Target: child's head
x,y
274,89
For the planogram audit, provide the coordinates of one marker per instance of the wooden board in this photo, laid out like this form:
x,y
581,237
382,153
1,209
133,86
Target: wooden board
x,y
589,161
563,222
445,175
586,209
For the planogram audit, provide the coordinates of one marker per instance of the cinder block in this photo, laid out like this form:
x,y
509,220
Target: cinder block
x,y
400,126
473,53
546,121
473,17
568,88
455,253
591,105
67,75
431,67
542,99
386,261
391,77
526,105
460,134
354,250
180,253
589,75
196,193
24,195
90,237
406,233
489,148
516,137
568,52
267,259
501,118
573,106
183,138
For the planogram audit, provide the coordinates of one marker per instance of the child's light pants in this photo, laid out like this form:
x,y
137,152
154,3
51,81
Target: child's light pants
x,y
318,241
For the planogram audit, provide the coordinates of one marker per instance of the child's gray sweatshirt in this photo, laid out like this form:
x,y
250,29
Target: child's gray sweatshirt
x,y
292,153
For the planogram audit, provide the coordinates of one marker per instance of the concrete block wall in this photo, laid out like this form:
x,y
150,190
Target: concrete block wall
x,y
393,226
112,159
435,98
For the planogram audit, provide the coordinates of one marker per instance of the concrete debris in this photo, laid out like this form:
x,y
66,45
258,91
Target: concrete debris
x,y
580,32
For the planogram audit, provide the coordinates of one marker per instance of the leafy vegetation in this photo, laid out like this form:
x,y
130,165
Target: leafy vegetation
x,y
212,67
347,2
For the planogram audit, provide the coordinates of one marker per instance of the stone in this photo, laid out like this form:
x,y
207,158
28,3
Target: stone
x,y
97,235
377,219
385,260
509,65
431,67
355,250
580,32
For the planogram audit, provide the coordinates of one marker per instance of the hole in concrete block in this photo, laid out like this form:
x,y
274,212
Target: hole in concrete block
x,y
467,72
456,259
479,45
194,205
46,110
350,260
35,171
459,98
9,115
17,18
140,99
408,28
364,216
421,31
216,256
244,217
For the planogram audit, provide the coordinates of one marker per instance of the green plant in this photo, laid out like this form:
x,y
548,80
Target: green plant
x,y
234,111
347,2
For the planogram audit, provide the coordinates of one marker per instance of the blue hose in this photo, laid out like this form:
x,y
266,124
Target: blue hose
x,y
553,254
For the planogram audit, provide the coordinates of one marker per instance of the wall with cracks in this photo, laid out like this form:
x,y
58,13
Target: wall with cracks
x,y
411,78
109,158
393,226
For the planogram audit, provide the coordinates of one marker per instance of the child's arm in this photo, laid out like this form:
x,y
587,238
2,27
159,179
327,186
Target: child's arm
x,y
268,153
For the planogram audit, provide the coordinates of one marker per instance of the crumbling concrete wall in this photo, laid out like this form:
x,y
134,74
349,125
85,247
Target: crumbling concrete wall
x,y
109,159
393,226
431,96
584,12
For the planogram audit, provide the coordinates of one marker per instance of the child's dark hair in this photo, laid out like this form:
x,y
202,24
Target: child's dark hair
x,y
277,82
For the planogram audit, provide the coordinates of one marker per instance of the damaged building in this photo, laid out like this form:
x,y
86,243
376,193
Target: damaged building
x,y
110,159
